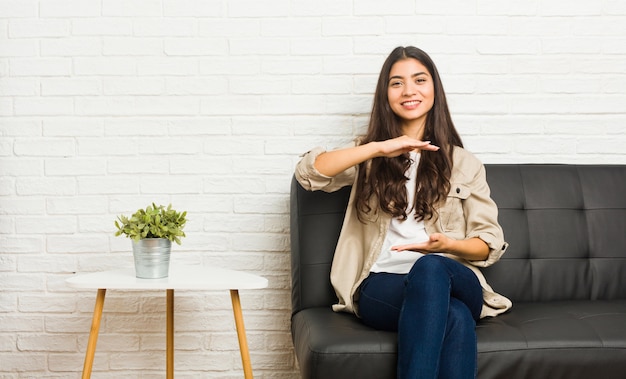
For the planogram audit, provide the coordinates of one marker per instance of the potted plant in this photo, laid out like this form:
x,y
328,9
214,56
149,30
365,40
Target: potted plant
x,y
152,231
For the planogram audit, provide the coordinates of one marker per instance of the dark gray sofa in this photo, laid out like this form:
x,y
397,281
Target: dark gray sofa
x,y
565,272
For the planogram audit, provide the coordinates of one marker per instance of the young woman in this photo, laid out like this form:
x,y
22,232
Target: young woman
x,y
419,222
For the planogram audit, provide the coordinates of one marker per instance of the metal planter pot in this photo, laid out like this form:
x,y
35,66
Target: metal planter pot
x,y
152,257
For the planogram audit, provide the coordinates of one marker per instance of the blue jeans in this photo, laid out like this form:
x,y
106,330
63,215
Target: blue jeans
x,y
434,309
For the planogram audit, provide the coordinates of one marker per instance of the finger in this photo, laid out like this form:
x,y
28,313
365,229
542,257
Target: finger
x,y
400,248
435,237
406,247
429,147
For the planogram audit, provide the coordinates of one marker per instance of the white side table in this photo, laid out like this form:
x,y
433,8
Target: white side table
x,y
181,277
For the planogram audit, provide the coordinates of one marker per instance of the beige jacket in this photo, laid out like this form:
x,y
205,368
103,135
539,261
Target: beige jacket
x,y
468,212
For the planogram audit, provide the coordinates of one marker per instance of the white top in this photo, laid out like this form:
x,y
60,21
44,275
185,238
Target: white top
x,y
403,232
181,277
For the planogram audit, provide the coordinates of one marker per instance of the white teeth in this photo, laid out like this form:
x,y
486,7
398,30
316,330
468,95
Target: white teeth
x,y
413,102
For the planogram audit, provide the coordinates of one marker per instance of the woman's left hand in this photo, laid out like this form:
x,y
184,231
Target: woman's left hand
x,y
436,243
473,249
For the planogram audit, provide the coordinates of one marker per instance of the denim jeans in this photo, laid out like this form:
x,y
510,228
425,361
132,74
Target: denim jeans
x,y
434,309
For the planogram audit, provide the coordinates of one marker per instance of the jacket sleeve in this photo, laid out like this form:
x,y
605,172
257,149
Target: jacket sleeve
x,y
312,180
481,215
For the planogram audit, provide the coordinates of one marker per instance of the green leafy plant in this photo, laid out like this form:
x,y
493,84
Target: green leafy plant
x,y
153,222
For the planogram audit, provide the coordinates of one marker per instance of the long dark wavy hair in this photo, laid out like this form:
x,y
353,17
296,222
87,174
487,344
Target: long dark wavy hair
x,y
382,180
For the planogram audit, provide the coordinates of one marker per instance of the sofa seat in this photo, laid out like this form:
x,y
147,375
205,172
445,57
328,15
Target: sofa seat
x,y
338,342
556,339
538,338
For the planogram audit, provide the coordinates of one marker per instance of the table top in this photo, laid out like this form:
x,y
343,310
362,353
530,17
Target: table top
x,y
181,277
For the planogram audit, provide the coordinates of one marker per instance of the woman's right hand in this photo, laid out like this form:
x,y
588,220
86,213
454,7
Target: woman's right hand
x,y
333,162
403,144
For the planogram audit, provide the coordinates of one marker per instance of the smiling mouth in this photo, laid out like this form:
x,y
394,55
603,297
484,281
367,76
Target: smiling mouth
x,y
411,103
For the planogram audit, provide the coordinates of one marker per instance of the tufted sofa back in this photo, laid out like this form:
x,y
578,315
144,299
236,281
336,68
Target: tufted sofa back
x,y
566,225
567,229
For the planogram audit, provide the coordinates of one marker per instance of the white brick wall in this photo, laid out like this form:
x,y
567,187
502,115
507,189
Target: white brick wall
x,y
108,105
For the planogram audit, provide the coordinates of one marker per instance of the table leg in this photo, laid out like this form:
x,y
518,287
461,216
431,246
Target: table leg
x,y
93,334
170,334
241,334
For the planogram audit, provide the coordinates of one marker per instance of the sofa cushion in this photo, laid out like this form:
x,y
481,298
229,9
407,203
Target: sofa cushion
x,y
559,339
565,225
338,345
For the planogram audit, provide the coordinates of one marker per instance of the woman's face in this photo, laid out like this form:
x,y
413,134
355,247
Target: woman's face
x,y
411,92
